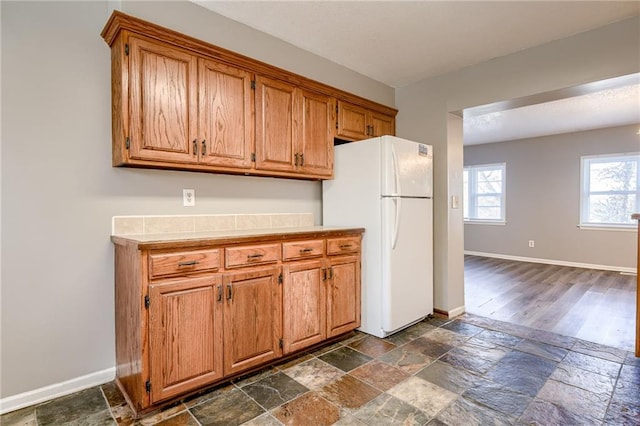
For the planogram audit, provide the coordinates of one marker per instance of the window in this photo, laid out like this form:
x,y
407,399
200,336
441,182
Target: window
x,y
610,190
484,193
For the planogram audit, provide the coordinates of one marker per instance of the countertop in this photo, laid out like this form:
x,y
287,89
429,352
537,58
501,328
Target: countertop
x,y
197,239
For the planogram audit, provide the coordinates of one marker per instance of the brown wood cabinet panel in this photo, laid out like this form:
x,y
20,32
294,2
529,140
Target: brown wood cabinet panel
x,y
179,330
185,335
343,245
344,295
357,123
251,255
163,102
302,249
225,115
382,124
352,121
180,263
181,103
304,304
277,124
252,318
315,146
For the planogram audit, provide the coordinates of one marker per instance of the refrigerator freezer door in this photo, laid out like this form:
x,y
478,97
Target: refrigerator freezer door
x,y
406,168
407,265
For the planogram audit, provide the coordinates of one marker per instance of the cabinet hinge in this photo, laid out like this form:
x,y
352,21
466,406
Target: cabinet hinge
x,y
280,279
147,386
147,301
253,85
281,343
127,143
253,157
126,49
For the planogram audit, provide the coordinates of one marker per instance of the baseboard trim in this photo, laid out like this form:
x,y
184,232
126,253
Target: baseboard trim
x,y
622,269
451,313
56,390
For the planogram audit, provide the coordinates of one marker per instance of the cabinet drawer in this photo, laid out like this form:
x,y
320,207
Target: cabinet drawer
x,y
343,245
251,255
302,249
183,262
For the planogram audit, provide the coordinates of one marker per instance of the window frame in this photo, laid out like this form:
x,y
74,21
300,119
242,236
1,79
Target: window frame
x,y
472,196
585,192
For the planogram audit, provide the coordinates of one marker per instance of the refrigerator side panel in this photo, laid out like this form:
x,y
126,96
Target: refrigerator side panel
x,y
407,168
407,261
352,198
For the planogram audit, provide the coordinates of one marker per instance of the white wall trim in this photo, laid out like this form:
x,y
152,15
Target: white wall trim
x,y
456,311
36,396
553,262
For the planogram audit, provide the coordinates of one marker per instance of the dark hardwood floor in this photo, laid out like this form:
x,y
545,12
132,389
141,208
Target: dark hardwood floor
x,y
598,306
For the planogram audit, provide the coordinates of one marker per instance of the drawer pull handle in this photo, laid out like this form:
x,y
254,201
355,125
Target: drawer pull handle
x,y
345,246
189,263
330,273
229,292
306,250
219,293
254,256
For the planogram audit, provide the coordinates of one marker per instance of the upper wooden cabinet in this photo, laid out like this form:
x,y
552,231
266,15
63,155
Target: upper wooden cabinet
x,y
356,122
163,101
180,103
225,115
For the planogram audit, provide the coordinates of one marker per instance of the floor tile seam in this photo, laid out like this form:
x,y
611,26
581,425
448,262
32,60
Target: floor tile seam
x,y
591,371
582,389
571,410
265,410
106,400
480,404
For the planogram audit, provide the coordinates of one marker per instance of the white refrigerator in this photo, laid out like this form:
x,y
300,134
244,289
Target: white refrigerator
x,y
385,185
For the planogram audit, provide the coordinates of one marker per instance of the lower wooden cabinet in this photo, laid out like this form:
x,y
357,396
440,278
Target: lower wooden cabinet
x,y
185,335
304,298
343,311
252,315
193,313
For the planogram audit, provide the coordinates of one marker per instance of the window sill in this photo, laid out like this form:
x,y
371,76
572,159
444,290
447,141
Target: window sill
x,y
625,228
485,222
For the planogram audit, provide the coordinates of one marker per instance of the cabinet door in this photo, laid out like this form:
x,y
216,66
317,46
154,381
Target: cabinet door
x,y
185,335
225,115
252,318
317,131
383,124
353,122
163,102
277,124
343,295
304,304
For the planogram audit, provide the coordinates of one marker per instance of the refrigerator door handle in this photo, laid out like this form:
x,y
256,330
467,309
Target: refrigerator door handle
x,y
396,221
396,172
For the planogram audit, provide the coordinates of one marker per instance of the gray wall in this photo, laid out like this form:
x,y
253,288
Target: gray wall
x,y
59,190
607,52
543,199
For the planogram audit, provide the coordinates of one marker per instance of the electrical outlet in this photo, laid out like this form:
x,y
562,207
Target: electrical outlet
x,y
532,243
188,197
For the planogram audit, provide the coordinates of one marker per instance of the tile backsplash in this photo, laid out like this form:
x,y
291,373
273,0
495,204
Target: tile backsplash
x,y
130,225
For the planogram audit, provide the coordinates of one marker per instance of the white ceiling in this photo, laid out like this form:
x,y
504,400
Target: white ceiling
x,y
401,42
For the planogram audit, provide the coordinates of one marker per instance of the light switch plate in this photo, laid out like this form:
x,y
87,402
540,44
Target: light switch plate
x,y
455,202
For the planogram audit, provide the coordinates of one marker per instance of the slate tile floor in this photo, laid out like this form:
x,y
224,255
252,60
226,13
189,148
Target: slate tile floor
x,y
469,371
